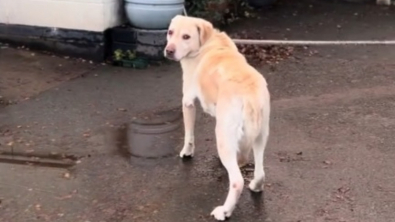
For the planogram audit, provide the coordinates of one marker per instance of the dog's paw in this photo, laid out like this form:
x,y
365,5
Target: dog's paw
x,y
220,213
187,151
256,185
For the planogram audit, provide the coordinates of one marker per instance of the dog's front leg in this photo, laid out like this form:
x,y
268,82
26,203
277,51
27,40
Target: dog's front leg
x,y
189,114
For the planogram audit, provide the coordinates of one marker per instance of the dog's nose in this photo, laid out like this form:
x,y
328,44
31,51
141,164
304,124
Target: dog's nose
x,y
170,52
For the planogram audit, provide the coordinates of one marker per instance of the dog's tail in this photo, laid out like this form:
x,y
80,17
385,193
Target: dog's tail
x,y
256,114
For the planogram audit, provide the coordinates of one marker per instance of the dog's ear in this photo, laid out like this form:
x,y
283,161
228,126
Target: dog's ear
x,y
205,30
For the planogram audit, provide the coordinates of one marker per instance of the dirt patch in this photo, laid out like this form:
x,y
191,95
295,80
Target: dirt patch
x,y
29,73
261,54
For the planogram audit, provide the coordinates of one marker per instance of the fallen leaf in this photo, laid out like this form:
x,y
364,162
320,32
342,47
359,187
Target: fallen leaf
x,y
66,175
65,197
38,207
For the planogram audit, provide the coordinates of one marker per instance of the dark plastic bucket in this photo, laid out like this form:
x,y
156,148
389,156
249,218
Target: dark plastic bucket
x,y
155,134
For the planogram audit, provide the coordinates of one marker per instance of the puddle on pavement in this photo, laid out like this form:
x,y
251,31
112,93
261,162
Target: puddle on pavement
x,y
151,136
121,141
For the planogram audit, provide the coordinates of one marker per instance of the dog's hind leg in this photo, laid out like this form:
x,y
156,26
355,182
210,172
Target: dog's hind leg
x,y
227,150
257,184
228,133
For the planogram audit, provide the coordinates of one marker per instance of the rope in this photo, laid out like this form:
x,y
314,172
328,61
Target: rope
x,y
307,42
185,11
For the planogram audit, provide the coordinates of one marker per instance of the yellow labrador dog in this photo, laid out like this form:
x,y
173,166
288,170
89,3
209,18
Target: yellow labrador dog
x,y
229,89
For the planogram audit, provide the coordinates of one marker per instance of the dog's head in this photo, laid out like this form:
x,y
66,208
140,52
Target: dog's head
x,y
185,36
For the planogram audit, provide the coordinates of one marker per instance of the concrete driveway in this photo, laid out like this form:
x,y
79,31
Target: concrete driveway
x,y
330,155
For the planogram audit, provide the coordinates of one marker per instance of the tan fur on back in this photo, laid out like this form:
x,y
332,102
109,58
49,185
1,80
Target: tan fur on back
x,y
223,72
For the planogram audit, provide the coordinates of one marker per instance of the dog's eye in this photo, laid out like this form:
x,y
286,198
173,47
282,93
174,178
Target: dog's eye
x,y
186,37
170,32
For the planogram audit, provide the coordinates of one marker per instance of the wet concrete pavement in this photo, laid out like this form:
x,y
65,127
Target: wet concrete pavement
x,y
329,158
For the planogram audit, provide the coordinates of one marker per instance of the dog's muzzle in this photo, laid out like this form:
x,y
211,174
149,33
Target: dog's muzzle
x,y
170,52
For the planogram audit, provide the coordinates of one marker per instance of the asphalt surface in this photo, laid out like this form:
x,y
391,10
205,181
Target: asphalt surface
x,y
329,158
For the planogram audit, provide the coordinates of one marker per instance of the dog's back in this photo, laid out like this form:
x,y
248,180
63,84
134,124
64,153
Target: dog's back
x,y
226,77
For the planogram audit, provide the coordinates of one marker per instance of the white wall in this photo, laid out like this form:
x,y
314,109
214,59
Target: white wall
x,y
91,15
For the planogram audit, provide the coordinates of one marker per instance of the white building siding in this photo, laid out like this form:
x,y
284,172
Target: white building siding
x,y
89,15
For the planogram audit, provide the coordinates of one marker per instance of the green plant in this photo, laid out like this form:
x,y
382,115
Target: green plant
x,y
129,58
118,55
130,55
219,12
